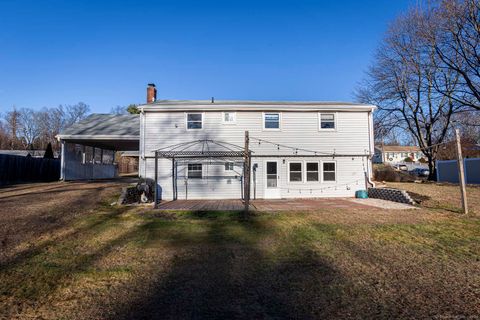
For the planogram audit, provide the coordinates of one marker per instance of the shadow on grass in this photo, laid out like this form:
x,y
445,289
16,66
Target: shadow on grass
x,y
37,272
225,273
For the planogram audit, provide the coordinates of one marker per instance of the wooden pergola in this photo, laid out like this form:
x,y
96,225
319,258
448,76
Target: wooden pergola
x,y
205,149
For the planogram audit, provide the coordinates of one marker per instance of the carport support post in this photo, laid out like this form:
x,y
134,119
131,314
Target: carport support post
x,y
461,172
173,179
246,173
155,197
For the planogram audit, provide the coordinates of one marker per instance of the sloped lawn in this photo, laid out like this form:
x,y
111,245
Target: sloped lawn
x,y
127,263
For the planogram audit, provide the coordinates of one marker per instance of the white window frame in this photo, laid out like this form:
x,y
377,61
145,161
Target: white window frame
x,y
229,163
302,163
335,117
318,171
279,121
186,121
336,171
229,122
188,171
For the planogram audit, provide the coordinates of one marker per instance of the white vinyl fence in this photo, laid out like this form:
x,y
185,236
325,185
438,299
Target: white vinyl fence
x,y
447,171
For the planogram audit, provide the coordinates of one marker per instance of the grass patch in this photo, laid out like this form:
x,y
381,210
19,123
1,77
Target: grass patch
x,y
119,262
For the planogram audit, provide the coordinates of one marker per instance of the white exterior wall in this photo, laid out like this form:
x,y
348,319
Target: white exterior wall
x,y
298,129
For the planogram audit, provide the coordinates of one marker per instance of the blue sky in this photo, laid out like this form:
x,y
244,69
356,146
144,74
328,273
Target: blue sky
x,y
105,52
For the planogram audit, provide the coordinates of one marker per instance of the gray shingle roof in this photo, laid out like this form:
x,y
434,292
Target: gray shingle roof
x,y
247,105
105,125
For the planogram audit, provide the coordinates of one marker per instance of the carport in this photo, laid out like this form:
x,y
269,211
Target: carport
x,y
89,146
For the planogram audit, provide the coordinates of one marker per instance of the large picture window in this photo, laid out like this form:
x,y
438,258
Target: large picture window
x,y
295,169
312,171
329,171
194,171
194,121
327,121
271,121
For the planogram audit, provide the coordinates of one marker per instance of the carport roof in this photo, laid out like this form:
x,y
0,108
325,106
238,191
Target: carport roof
x,y
109,131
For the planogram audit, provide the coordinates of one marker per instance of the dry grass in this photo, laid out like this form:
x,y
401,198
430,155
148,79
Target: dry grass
x,y
122,263
442,196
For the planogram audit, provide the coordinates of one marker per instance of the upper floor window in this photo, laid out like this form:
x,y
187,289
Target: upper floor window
x,y
229,166
271,121
194,171
194,121
229,118
327,121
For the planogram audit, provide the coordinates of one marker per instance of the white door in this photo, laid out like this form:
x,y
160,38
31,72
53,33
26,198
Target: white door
x,y
272,190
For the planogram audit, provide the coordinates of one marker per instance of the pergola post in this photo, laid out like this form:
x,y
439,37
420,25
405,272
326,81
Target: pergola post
x,y
155,198
246,173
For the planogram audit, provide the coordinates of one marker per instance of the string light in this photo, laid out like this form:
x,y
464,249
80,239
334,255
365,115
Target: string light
x,y
294,149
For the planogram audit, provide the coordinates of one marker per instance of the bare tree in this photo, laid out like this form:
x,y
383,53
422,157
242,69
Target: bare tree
x,y
75,113
454,33
29,126
118,110
12,123
4,136
402,83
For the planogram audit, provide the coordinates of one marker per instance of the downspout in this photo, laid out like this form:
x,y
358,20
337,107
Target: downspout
x,y
371,151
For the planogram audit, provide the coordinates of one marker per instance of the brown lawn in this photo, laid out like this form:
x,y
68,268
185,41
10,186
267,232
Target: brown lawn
x,y
67,253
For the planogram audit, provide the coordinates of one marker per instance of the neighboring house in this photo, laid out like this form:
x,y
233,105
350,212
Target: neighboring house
x,y
299,149
396,154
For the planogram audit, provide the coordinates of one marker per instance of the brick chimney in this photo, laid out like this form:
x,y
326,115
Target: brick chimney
x,y
151,93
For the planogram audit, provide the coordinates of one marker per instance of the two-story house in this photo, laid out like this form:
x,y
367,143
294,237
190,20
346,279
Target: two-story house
x,y
298,149
396,154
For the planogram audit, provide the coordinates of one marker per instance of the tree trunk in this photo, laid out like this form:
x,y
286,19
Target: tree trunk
x,y
432,170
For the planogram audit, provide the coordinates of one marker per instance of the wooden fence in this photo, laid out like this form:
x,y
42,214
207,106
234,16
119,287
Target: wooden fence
x,y
14,169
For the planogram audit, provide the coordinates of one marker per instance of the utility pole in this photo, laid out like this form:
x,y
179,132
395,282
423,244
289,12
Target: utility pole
x,y
246,173
461,173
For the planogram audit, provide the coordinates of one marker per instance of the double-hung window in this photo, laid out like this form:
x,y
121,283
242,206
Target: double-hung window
x,y
329,172
229,118
194,121
312,171
271,121
229,166
327,121
295,172
194,171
